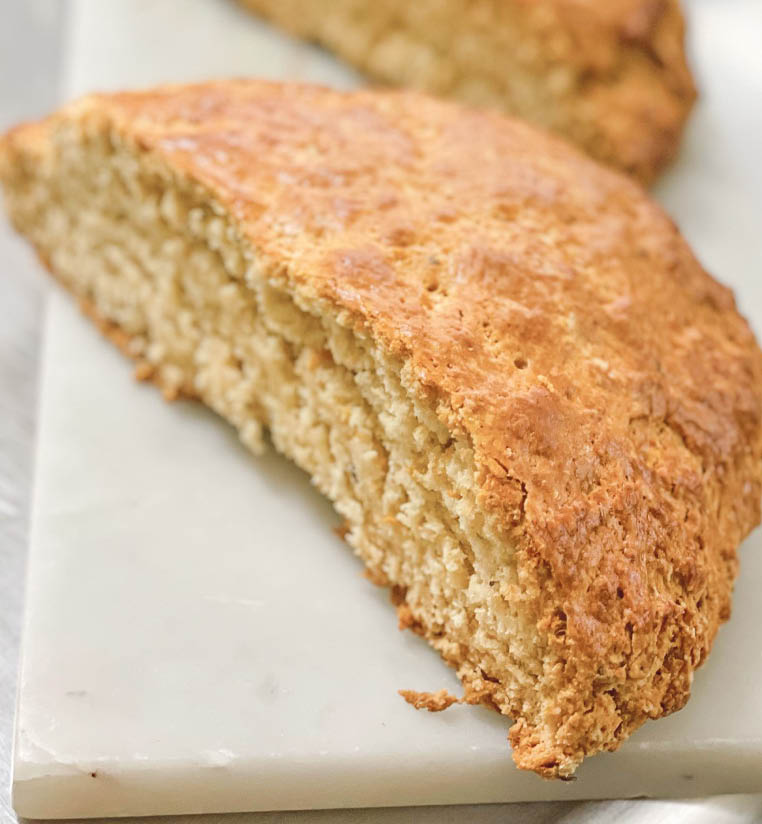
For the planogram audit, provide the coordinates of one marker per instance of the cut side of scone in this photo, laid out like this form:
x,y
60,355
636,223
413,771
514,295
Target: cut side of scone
x,y
539,417
610,75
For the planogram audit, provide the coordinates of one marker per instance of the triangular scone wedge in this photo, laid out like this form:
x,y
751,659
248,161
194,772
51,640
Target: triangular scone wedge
x,y
539,416
610,75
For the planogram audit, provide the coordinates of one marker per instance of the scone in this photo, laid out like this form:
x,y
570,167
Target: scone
x,y
610,75
539,417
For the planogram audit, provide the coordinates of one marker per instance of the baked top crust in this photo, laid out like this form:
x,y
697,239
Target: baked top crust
x,y
611,76
555,317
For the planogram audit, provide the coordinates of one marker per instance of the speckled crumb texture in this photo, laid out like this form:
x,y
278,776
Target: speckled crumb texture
x,y
610,75
537,414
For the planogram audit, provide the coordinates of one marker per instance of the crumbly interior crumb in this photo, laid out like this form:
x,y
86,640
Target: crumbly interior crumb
x,y
157,257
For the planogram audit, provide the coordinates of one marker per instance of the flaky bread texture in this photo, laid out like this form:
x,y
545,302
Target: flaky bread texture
x,y
539,416
610,75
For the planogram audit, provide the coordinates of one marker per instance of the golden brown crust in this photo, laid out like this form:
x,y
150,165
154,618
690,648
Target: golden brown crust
x,y
611,76
556,318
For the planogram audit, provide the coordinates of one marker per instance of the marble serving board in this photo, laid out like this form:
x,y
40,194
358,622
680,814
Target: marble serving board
x,y
197,638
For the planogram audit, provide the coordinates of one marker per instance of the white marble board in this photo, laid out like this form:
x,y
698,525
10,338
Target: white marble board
x,y
196,636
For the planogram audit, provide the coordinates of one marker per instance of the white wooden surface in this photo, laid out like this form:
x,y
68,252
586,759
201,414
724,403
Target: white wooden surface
x,y
147,24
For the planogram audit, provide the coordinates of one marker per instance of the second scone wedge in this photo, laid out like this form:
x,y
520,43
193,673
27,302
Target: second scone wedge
x,y
538,415
609,75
